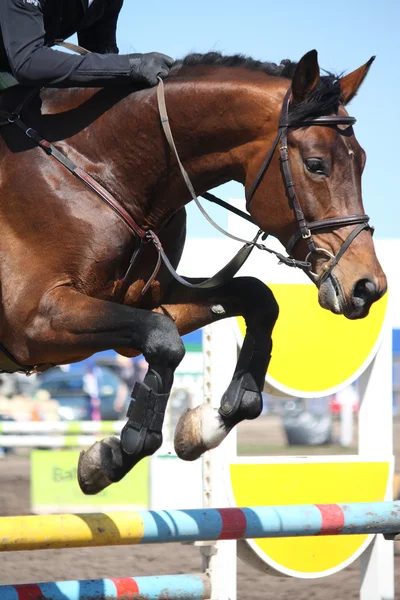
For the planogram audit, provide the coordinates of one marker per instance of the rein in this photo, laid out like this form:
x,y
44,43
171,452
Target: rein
x,y
305,228
143,235
249,245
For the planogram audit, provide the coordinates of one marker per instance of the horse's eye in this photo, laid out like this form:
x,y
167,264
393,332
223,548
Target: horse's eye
x,y
317,166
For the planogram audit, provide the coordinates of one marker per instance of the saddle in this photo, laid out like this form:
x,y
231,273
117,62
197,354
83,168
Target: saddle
x,y
13,97
7,81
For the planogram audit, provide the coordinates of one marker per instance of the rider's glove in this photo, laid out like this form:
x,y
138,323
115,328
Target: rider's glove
x,y
146,67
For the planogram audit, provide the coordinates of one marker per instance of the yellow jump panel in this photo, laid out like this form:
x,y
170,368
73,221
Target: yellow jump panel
x,y
314,351
325,480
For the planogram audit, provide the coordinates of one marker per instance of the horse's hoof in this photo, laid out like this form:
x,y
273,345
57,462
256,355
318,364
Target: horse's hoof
x,y
198,430
96,464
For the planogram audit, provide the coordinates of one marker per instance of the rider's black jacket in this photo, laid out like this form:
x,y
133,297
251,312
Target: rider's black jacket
x,y
29,27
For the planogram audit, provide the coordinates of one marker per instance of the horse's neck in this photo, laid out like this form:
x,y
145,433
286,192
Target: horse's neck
x,y
214,126
211,126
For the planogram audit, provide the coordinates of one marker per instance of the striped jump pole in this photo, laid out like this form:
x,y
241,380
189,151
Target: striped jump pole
x,y
55,434
171,587
48,441
66,427
151,527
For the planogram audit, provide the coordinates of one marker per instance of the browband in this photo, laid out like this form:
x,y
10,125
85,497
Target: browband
x,y
323,120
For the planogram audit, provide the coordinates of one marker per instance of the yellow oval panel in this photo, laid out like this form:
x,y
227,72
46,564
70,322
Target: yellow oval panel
x,y
315,352
324,480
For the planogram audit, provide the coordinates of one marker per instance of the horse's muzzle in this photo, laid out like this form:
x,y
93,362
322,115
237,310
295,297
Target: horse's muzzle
x,y
354,306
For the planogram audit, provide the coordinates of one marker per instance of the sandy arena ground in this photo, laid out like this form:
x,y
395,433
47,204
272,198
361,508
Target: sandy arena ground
x,y
93,563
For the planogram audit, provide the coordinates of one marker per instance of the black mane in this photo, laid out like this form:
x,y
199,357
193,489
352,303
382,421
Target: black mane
x,y
285,69
324,100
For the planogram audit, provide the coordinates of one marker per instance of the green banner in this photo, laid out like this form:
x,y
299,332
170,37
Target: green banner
x,y
54,486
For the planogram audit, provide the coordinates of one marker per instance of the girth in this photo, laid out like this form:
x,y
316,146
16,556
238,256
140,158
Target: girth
x,y
9,364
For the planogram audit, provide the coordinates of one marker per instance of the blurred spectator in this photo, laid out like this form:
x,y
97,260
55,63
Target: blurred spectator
x,y
125,368
91,387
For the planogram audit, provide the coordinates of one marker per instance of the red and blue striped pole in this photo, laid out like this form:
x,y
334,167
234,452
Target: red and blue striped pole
x,y
151,527
173,587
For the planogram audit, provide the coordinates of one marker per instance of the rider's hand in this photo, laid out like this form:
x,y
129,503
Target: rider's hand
x,y
146,67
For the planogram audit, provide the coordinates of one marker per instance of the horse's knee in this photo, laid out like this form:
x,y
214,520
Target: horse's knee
x,y
261,305
163,343
271,306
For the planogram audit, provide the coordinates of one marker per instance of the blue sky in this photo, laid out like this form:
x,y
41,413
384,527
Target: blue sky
x,y
345,34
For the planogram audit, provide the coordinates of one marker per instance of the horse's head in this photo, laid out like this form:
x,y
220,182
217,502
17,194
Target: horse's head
x,y
316,208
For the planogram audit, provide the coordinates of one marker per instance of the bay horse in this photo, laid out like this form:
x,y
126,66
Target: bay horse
x,y
73,270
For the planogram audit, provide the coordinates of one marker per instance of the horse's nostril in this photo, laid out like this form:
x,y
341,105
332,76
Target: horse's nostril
x,y
365,291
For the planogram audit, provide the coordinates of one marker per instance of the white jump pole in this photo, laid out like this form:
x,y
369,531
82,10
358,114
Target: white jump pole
x,y
375,439
220,355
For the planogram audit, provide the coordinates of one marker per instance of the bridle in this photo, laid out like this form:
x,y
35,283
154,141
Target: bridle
x,y
305,228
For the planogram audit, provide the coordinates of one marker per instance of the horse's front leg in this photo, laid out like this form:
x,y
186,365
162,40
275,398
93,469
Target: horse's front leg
x,y
69,326
204,427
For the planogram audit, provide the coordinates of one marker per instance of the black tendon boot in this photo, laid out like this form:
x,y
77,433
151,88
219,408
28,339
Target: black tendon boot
x,y
142,434
109,460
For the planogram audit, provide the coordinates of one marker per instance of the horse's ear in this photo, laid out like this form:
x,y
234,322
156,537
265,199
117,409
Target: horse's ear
x,y
306,76
350,83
